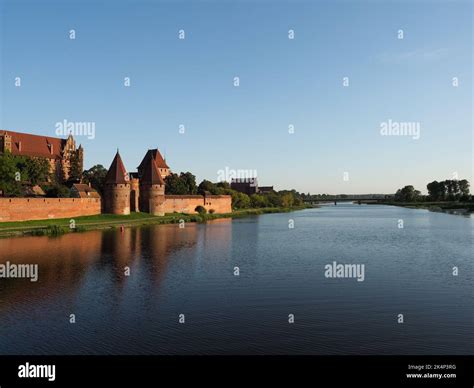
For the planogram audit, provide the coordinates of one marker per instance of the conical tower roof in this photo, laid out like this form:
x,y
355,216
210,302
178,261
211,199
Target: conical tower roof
x,y
156,156
151,174
117,172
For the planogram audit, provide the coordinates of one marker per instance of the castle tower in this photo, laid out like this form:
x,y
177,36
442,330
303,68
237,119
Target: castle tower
x,y
152,189
80,157
5,143
155,154
117,188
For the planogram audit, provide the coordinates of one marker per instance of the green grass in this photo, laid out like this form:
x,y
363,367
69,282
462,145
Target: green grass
x,y
56,227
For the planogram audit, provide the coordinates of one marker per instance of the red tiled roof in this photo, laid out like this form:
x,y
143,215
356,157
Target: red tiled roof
x,y
85,191
155,154
35,145
117,172
151,174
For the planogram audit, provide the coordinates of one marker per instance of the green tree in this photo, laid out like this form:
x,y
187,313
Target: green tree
x,y
175,185
96,177
201,209
57,191
407,194
287,200
274,199
189,180
257,200
223,185
10,176
240,200
37,170
464,189
435,191
75,171
206,185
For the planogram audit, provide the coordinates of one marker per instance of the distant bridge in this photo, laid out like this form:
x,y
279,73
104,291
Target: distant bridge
x,y
360,199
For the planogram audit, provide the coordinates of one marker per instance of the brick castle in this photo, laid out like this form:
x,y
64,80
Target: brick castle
x,y
145,190
124,192
58,152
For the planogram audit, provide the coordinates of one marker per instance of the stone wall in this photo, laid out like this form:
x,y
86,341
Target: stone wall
x,y
24,209
188,203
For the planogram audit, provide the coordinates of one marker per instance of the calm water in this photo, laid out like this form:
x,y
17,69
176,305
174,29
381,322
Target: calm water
x,y
190,271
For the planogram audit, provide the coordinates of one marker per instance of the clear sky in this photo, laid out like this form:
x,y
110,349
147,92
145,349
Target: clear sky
x,y
299,82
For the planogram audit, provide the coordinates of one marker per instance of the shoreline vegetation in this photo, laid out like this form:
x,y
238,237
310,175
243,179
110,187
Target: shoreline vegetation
x,y
446,206
60,226
448,196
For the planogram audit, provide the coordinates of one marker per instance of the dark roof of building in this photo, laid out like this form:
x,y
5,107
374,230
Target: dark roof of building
x,y
82,187
117,172
244,181
151,174
155,154
25,144
85,190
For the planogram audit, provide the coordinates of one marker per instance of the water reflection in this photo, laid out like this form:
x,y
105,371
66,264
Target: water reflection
x,y
65,262
191,271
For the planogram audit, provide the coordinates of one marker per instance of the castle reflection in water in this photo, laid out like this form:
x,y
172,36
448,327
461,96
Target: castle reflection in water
x,y
66,262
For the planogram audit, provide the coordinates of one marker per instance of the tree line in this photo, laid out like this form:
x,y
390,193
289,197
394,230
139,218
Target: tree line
x,y
447,190
185,183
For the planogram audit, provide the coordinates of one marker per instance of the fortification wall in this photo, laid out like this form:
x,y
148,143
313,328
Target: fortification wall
x,y
24,209
188,203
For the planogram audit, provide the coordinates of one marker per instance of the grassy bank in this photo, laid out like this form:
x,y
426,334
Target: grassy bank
x,y
55,227
433,206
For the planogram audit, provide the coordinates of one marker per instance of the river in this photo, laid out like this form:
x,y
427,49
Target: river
x,y
281,260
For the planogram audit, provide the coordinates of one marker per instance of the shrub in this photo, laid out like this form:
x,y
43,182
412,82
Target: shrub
x,y
56,191
201,209
211,211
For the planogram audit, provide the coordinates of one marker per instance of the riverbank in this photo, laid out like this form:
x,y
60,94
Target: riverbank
x,y
54,227
467,207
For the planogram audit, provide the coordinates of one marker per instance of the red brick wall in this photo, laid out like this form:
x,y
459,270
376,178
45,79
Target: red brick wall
x,y
23,209
188,203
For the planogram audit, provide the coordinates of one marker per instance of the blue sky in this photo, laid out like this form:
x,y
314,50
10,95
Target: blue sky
x,y
282,82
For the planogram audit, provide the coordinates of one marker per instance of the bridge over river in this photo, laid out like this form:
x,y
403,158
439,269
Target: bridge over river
x,y
360,199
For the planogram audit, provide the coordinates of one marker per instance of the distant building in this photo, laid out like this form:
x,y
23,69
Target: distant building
x,y
58,152
81,190
265,189
247,186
